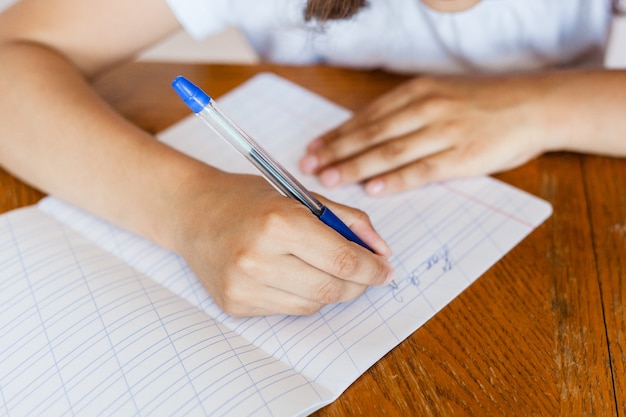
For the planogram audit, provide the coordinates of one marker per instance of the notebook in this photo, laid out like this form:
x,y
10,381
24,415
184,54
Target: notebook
x,y
97,321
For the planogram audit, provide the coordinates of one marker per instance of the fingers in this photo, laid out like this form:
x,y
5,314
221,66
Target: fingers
x,y
298,264
421,127
414,175
461,159
313,285
279,297
338,145
380,108
291,287
439,167
360,224
364,132
387,156
334,255
269,301
431,131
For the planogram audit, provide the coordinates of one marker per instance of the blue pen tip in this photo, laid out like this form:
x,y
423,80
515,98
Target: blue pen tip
x,y
191,94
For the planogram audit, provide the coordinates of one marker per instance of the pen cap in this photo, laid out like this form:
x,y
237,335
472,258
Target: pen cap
x,y
194,97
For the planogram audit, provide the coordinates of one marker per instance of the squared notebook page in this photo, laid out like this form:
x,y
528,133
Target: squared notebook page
x,y
443,237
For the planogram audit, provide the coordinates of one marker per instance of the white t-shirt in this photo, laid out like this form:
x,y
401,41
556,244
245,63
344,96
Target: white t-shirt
x,y
408,36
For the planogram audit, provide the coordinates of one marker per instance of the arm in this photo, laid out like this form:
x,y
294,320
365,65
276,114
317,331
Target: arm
x,y
433,129
58,135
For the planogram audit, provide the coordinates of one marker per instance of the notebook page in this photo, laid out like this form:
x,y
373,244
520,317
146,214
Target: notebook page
x,y
443,238
83,333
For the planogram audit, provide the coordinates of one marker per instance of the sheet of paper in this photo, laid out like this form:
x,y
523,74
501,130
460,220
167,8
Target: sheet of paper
x,y
443,237
83,333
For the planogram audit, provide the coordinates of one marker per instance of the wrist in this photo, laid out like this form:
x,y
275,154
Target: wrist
x,y
582,111
543,112
182,193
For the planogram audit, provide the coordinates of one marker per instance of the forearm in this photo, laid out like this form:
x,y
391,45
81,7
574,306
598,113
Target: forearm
x,y
583,111
59,136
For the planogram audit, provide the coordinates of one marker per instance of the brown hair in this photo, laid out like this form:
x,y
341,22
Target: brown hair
x,y
322,10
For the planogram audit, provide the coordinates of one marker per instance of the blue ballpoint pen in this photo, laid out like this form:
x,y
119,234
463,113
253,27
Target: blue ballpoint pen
x,y
204,107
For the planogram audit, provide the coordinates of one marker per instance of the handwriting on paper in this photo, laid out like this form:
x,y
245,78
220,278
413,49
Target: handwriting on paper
x,y
439,259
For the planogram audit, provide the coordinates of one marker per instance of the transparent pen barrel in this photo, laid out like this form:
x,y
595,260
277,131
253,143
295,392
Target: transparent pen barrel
x,y
273,171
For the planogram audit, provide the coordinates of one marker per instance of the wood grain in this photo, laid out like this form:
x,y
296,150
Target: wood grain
x,y
605,186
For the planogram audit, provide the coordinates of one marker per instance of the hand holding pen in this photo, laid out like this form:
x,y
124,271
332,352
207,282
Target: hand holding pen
x,y
281,258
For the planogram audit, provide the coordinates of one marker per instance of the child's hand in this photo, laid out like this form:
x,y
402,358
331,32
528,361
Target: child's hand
x,y
431,130
259,253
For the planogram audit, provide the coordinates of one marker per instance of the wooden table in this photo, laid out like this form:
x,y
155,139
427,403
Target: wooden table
x,y
543,332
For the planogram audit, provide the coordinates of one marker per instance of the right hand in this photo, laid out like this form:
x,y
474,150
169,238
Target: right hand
x,y
260,253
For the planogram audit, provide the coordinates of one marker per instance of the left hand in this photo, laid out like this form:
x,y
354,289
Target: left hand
x,y
433,129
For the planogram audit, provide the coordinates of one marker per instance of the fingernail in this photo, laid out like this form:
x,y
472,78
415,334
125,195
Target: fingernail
x,y
330,177
389,279
375,187
315,145
309,163
385,250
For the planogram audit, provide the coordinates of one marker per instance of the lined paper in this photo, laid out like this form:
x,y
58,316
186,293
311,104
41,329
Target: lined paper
x,y
83,333
98,321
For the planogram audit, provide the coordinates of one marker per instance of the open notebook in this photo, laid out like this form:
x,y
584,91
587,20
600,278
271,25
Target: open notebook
x,y
97,321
